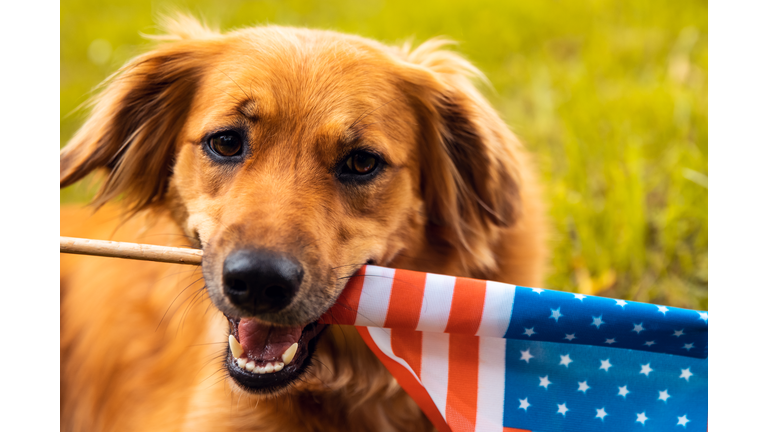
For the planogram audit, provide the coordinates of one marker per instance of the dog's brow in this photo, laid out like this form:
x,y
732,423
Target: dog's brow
x,y
249,109
355,132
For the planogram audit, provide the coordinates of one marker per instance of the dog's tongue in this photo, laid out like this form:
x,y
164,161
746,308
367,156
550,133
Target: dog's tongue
x,y
266,342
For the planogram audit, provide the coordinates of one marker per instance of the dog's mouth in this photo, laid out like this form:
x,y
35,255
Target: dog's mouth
x,y
264,358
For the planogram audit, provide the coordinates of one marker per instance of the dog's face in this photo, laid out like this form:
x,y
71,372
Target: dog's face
x,y
293,157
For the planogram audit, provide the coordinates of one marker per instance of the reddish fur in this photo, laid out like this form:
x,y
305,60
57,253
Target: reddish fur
x,y
458,198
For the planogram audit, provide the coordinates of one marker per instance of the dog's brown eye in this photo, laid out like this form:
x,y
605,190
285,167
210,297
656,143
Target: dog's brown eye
x,y
226,144
361,163
359,167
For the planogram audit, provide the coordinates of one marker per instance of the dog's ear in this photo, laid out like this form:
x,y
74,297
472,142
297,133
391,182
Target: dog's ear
x,y
136,119
470,164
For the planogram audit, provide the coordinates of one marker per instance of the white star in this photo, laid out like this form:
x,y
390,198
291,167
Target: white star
x,y
621,303
663,309
641,418
638,328
678,333
686,373
601,413
610,341
561,409
526,355
580,296
649,343
605,364
704,316
683,420
529,332
570,337
538,290
597,321
544,382
556,314
583,387
688,346
565,360
663,395
524,404
646,369
623,392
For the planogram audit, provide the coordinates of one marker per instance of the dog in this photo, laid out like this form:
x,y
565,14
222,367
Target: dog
x,y
292,157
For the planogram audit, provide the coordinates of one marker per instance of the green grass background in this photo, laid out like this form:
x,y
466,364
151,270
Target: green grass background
x,y
610,96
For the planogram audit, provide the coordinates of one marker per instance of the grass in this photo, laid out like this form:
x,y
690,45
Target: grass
x,y
611,97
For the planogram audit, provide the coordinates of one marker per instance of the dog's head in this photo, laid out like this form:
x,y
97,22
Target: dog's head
x,y
293,157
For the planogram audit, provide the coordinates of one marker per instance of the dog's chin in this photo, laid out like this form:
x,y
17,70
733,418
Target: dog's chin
x,y
268,362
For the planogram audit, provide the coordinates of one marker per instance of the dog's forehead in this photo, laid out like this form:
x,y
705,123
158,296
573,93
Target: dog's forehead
x,y
326,88
302,75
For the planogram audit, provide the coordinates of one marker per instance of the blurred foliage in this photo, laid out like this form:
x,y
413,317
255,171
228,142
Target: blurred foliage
x,y
611,97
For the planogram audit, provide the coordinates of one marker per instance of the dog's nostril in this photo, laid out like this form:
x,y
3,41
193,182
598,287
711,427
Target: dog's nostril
x,y
237,285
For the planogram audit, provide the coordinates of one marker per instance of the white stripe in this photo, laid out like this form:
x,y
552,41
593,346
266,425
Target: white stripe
x,y
434,367
374,298
436,306
491,373
383,340
497,309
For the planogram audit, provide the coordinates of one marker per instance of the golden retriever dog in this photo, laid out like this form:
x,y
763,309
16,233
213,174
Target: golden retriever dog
x,y
292,157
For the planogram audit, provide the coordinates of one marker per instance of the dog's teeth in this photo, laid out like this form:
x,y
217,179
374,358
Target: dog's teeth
x,y
279,366
260,370
241,363
289,353
250,366
235,347
269,368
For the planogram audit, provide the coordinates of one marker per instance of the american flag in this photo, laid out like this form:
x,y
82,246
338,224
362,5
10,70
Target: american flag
x,y
486,356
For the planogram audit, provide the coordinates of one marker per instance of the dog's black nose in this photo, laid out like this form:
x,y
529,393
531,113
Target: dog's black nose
x,y
261,281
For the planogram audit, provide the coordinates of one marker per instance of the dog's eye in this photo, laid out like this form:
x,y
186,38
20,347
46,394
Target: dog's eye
x,y
359,166
226,144
361,163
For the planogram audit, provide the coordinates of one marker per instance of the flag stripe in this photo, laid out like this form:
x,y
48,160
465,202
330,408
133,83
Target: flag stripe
x,y
406,380
497,309
466,306
436,307
461,403
406,344
405,301
490,384
374,299
434,367
383,340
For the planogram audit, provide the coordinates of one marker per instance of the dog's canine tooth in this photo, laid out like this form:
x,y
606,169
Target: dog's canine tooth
x,y
241,363
235,347
250,366
289,353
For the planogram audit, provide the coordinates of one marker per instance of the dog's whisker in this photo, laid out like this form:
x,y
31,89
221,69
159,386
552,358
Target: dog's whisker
x,y
174,300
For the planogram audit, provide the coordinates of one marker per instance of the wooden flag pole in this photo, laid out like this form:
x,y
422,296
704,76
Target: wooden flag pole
x,y
135,251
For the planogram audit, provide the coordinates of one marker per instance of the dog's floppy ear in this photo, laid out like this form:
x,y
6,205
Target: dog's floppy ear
x,y
133,128
470,168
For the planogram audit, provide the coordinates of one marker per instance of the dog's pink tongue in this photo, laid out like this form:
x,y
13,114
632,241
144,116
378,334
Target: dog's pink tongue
x,y
266,342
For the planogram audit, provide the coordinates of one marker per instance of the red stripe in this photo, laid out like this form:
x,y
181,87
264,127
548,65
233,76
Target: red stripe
x,y
406,344
405,299
345,310
466,306
506,429
463,363
406,380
